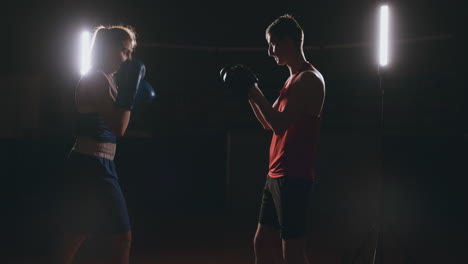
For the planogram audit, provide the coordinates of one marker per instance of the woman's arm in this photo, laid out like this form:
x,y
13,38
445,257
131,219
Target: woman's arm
x,y
117,119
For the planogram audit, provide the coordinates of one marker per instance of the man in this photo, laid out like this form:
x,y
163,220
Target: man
x,y
294,119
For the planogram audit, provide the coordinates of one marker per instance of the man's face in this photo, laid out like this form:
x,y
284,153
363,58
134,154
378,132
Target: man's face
x,y
278,48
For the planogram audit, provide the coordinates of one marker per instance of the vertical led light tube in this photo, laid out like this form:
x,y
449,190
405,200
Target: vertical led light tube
x,y
383,35
85,53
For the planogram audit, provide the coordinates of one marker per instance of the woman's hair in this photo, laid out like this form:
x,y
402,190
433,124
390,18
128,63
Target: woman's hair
x,y
107,37
287,26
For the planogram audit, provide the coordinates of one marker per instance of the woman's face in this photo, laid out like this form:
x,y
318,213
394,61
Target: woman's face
x,y
120,54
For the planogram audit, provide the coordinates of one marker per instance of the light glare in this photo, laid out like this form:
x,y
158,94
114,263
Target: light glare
x,y
85,53
383,40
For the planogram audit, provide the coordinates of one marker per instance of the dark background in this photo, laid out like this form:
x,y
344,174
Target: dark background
x,y
193,163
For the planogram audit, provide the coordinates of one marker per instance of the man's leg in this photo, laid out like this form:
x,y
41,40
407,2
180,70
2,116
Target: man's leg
x,y
294,251
267,241
267,245
292,201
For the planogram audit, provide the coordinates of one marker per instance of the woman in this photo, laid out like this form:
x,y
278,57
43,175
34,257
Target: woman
x,y
93,203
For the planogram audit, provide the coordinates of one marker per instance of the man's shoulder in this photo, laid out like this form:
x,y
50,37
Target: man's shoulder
x,y
310,78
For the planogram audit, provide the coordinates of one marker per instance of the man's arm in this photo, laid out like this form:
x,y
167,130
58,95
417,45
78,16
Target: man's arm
x,y
307,89
259,115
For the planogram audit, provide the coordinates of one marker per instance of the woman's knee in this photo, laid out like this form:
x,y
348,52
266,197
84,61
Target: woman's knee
x,y
122,240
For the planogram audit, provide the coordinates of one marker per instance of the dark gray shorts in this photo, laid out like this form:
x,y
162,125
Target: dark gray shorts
x,y
285,204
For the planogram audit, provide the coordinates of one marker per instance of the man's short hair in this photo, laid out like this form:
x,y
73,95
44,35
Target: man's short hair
x,y
287,26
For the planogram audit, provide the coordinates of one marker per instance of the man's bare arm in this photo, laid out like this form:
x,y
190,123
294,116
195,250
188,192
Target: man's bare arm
x,y
307,89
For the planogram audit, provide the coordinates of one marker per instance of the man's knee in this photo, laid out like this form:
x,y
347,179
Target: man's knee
x,y
294,250
265,238
260,242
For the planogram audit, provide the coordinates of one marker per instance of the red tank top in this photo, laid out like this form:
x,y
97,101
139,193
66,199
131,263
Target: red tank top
x,y
292,154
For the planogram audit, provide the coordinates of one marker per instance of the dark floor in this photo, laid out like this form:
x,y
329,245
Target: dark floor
x,y
186,207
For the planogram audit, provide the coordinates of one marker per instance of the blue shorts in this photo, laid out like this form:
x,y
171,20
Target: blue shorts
x,y
285,204
91,200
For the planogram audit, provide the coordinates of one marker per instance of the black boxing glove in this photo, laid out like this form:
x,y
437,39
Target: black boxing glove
x,y
238,79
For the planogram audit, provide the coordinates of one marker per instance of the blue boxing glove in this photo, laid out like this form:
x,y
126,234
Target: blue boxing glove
x,y
127,79
145,95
